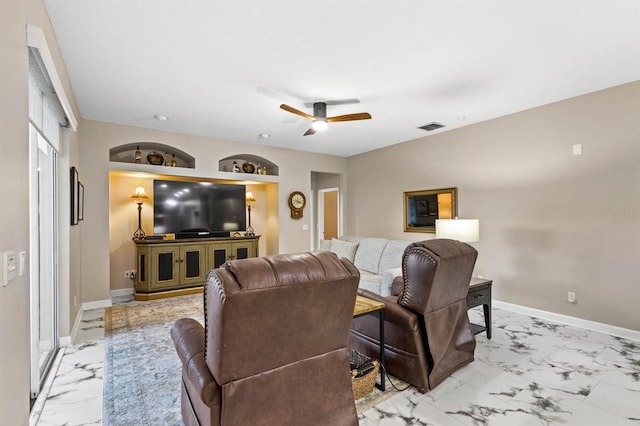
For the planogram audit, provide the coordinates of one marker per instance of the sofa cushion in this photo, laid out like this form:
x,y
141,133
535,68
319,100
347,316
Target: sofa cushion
x,y
369,254
386,281
392,255
370,281
344,249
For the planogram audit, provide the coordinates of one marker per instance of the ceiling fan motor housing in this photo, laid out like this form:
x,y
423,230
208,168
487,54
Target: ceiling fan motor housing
x,y
320,109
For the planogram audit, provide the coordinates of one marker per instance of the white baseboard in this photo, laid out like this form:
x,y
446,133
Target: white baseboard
x,y
613,330
76,325
68,340
96,304
122,292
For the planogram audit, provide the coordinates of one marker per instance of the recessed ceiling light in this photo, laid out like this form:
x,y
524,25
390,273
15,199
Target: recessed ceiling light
x,y
264,135
161,117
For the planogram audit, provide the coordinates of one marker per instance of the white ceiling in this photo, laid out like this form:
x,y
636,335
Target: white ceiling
x,y
222,68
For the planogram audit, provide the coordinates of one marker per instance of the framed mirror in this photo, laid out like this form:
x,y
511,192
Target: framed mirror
x,y
422,208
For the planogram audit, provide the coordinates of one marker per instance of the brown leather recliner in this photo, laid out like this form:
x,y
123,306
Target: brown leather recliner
x,y
273,350
427,332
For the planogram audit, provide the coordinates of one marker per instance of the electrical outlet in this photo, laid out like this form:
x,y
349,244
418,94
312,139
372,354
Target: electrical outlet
x,y
132,274
571,297
127,274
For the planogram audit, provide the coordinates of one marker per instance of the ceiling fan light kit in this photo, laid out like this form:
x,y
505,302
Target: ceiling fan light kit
x,y
319,119
319,124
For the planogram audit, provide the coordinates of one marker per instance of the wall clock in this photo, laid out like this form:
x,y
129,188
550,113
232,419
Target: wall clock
x,y
297,201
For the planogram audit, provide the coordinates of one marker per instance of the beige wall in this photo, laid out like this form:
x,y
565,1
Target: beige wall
x,y
14,191
108,252
550,222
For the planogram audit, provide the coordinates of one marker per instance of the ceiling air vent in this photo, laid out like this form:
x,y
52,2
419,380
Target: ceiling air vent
x,y
431,126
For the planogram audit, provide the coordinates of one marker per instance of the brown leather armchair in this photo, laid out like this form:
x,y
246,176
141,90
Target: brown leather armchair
x,y
273,350
427,332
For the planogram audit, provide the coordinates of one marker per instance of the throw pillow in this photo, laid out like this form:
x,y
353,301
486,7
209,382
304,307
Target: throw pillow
x,y
325,245
344,249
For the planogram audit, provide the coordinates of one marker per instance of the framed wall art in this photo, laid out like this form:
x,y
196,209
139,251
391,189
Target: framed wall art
x,y
73,195
422,208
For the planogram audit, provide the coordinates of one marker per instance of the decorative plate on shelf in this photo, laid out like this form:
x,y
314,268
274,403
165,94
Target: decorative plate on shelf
x,y
248,167
155,158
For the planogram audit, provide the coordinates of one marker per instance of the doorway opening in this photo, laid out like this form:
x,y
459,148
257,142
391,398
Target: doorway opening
x,y
327,207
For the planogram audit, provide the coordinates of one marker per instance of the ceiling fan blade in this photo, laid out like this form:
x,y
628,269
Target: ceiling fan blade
x,y
310,132
349,117
296,112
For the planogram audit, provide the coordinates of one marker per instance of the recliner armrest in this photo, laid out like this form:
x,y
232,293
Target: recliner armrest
x,y
371,295
393,312
188,339
397,286
198,373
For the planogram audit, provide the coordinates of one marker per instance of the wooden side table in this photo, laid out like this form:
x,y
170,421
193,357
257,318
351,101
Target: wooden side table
x,y
365,306
480,294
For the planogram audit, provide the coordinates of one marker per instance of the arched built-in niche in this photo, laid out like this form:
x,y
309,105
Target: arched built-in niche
x,y
226,164
126,154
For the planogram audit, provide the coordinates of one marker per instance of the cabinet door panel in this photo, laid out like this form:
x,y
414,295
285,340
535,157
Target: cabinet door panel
x,y
192,265
164,267
242,250
218,256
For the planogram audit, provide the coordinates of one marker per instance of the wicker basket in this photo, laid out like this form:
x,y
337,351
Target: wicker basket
x,y
364,372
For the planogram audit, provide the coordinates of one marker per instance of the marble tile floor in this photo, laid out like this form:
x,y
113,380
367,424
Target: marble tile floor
x,y
532,372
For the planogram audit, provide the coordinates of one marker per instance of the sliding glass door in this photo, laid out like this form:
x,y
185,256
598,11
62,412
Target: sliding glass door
x,y
43,255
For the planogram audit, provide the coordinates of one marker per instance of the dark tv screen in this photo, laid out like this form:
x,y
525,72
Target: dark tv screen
x,y
198,207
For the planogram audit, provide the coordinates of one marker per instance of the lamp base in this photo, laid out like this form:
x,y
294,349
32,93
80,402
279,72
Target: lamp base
x,y
249,232
139,234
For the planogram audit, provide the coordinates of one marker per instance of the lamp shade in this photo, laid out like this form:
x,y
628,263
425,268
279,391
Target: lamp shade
x,y
465,230
139,195
250,197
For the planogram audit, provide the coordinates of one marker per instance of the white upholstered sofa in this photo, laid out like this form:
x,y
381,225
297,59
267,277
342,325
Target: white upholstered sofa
x,y
379,260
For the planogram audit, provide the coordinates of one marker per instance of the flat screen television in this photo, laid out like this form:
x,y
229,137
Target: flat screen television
x,y
188,208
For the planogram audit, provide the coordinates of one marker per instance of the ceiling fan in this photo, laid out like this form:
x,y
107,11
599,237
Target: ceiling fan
x,y
319,119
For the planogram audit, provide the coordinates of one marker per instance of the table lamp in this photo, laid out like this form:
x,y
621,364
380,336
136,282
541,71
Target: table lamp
x,y
465,230
250,200
139,196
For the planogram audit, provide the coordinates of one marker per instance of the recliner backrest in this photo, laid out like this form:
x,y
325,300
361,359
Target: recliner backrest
x,y
264,313
436,273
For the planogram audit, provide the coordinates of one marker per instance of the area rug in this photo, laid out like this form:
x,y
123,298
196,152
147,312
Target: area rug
x,y
142,370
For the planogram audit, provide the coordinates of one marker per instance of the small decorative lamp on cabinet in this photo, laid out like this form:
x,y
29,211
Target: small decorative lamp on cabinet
x,y
139,196
250,200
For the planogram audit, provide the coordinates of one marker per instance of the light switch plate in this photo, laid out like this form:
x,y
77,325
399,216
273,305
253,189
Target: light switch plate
x,y
9,267
577,149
